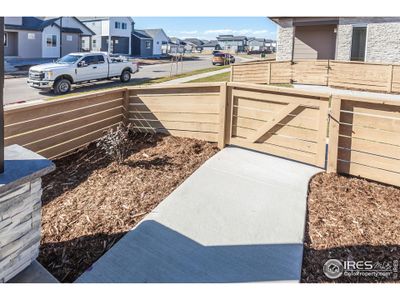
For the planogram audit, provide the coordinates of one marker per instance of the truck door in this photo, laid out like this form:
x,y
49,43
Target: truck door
x,y
92,67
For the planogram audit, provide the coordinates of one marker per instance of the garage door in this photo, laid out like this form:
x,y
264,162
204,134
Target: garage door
x,y
314,42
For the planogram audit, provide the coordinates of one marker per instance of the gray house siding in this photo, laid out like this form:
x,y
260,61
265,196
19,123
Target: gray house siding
x,y
139,47
29,48
120,44
70,46
11,49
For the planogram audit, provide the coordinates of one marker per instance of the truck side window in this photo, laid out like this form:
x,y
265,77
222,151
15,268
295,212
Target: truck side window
x,y
90,60
100,59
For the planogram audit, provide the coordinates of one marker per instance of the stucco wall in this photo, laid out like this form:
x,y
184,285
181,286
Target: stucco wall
x,y
285,41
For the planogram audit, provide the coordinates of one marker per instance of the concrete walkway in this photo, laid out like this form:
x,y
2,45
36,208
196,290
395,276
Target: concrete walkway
x,y
193,77
239,218
335,91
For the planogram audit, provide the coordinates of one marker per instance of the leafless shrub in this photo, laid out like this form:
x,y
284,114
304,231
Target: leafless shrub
x,y
116,143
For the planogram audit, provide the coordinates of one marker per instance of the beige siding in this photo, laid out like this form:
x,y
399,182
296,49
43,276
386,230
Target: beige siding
x,y
314,42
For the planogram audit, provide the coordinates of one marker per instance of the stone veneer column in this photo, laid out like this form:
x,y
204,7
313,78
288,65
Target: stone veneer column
x,y
284,44
20,209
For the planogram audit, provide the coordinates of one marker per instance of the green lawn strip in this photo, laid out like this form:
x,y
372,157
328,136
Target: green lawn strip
x,y
135,82
214,78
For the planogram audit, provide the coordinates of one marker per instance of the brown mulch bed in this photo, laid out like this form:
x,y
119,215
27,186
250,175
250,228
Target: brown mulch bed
x,y
350,219
90,202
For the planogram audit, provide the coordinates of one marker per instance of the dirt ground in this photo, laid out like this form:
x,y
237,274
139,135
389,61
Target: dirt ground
x,y
351,219
89,202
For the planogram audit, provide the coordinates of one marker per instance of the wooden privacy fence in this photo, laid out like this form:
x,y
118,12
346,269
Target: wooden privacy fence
x,y
364,135
341,74
278,121
364,138
56,127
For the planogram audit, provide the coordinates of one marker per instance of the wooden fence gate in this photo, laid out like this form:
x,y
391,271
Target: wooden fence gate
x,y
278,121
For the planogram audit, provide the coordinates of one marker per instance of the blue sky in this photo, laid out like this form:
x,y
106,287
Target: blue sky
x,y
209,27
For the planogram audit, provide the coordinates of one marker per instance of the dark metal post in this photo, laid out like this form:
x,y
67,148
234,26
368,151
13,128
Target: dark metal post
x,y
1,97
61,37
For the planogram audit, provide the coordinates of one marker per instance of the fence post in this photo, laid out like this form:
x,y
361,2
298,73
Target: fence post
x,y
390,85
125,106
222,115
327,73
333,142
231,76
269,74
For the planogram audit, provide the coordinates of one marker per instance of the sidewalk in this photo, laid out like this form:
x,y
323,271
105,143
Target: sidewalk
x,y
193,77
239,218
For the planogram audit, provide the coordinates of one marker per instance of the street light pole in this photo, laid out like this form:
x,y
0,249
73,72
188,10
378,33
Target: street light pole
x,y
1,97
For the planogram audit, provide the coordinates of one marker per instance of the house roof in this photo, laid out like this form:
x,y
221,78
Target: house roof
x,y
177,41
211,44
195,41
153,32
28,23
141,34
96,19
36,24
231,38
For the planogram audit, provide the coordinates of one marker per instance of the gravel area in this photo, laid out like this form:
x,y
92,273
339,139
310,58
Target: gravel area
x,y
90,202
351,219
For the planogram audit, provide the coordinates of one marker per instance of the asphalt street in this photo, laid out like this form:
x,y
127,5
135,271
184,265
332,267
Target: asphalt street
x,y
16,90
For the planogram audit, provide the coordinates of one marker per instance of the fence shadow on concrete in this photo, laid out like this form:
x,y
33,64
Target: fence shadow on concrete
x,y
153,252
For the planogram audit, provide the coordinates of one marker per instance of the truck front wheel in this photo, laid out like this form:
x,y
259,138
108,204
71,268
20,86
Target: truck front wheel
x,y
125,76
62,86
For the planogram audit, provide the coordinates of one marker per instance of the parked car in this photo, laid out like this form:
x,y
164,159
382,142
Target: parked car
x,y
78,68
223,59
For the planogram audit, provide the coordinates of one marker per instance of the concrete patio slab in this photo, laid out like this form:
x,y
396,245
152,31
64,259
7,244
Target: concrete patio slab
x,y
239,218
34,273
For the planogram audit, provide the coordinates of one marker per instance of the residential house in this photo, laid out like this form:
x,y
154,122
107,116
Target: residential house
x,y
231,43
193,45
118,29
142,44
31,37
256,45
175,46
160,40
370,39
271,45
210,46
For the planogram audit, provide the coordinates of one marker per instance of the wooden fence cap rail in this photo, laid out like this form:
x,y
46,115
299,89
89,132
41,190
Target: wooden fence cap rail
x,y
292,91
176,86
254,62
50,102
368,99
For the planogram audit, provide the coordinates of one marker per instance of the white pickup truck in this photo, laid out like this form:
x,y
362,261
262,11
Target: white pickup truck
x,y
78,68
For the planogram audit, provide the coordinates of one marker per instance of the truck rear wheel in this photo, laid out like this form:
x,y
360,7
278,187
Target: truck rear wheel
x,y
125,76
62,86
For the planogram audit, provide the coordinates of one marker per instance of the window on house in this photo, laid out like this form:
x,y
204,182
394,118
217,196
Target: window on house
x,y
69,38
148,44
5,39
358,43
94,43
124,26
31,36
51,40
117,25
